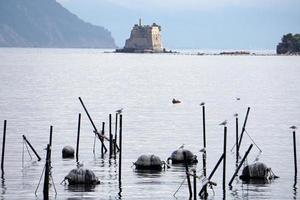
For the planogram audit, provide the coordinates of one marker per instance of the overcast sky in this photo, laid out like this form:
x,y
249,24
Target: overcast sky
x,y
204,24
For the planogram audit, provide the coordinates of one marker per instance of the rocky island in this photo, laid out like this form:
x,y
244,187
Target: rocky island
x,y
144,39
290,45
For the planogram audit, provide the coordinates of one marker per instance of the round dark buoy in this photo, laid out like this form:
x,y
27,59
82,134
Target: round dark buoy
x,y
149,162
177,157
68,152
82,176
257,170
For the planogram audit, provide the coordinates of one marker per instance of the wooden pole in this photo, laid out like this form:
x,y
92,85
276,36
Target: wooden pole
x,y
243,129
295,152
102,141
95,129
187,175
120,153
31,147
116,131
78,136
50,137
237,140
195,185
212,173
224,160
204,145
3,147
47,173
241,163
110,138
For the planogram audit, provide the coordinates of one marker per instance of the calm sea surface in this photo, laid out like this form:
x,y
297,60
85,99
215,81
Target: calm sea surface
x,y
40,87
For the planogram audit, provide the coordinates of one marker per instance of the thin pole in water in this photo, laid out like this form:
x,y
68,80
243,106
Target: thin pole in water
x,y
243,129
50,137
31,147
47,172
3,147
237,139
224,159
295,152
120,153
116,131
187,175
110,138
102,141
240,165
204,145
78,136
195,185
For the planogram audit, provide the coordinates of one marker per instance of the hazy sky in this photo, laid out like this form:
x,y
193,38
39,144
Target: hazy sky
x,y
204,24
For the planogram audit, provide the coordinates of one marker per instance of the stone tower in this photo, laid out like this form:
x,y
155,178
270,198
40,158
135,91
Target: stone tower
x,y
144,38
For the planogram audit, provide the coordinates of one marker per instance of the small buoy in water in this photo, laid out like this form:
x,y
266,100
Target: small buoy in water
x,y
257,170
177,156
174,101
68,152
149,162
81,175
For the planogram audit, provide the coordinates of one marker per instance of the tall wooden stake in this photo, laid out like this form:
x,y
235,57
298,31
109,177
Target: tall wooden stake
x,y
78,136
120,153
224,160
237,139
110,138
240,165
3,147
47,173
31,147
243,129
187,175
295,152
204,145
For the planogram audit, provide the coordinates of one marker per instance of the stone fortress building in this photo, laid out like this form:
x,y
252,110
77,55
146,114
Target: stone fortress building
x,y
144,39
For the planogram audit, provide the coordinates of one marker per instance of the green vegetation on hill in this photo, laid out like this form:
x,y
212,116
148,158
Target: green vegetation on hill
x,y
290,44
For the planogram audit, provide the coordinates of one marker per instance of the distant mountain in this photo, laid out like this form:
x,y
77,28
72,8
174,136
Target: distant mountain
x,y
45,23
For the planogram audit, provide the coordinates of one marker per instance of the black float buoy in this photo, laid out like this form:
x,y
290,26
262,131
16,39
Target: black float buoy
x,y
178,158
81,175
149,162
257,171
68,152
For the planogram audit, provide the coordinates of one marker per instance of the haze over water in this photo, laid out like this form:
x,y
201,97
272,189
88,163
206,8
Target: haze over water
x,y
40,87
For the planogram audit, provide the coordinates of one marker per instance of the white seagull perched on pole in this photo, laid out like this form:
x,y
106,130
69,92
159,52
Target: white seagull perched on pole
x,y
223,123
119,111
293,127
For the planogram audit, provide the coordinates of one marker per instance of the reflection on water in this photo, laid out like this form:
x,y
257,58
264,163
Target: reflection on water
x,y
80,188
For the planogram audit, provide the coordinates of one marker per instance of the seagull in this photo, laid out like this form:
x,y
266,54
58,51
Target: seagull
x,y
236,115
174,101
293,127
181,147
223,123
119,111
202,103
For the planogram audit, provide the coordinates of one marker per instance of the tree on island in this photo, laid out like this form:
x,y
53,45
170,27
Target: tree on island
x,y
290,44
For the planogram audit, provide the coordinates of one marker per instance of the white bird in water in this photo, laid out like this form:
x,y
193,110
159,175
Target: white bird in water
x,y
181,147
202,103
293,127
119,111
223,123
